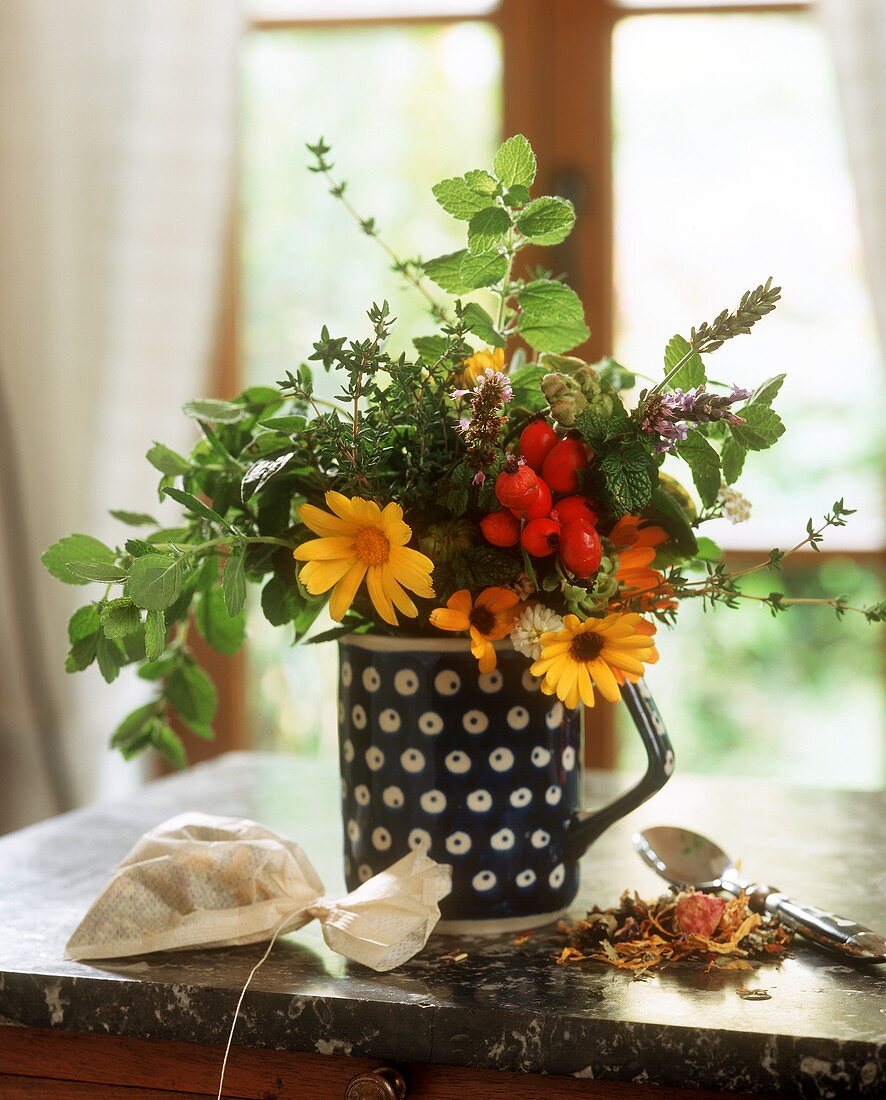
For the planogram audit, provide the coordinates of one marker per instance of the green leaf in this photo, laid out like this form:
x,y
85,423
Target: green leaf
x,y
84,622
128,736
292,425
518,195
708,550
157,669
261,472
481,269
482,566
762,428
691,373
460,199
75,548
167,461
599,427
120,617
224,632
133,519
137,548
732,457
82,652
668,513
431,348
155,637
478,321
487,228
627,478
217,412
234,583
155,581
195,505
515,162
97,571
481,182
279,602
547,220
167,742
110,658
704,462
192,694
767,391
552,317
446,272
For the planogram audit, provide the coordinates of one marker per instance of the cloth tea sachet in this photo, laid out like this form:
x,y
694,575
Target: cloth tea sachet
x,y
200,881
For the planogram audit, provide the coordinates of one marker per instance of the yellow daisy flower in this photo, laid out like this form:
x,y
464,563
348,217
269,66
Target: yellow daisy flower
x,y
472,368
488,619
360,540
598,653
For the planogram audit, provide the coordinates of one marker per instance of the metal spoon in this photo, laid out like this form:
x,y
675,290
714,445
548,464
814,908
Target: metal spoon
x,y
685,858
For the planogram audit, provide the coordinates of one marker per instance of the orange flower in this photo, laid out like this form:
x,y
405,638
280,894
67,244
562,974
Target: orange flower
x,y
488,619
636,546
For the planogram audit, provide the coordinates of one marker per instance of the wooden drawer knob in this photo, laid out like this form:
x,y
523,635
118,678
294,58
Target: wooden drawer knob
x,y
377,1084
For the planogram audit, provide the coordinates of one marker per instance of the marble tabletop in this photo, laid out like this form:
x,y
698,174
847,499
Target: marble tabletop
x,y
506,1005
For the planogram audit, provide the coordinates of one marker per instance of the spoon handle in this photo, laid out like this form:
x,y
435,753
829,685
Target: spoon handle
x,y
825,929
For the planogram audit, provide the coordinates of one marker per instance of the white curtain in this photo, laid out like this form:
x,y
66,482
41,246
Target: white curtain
x,y
117,146
857,33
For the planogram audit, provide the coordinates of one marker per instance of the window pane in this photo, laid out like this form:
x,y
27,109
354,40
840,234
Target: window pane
x,y
730,167
402,107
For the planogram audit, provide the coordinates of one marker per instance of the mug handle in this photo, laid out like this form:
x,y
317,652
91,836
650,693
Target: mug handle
x,y
587,825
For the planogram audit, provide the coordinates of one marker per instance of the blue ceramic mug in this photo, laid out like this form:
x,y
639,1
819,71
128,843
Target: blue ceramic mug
x,y
482,769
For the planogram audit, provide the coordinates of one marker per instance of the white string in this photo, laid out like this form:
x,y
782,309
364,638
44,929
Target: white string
x,y
252,972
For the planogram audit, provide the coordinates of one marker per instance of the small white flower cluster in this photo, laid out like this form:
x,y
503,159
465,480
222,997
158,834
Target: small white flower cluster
x,y
736,507
535,620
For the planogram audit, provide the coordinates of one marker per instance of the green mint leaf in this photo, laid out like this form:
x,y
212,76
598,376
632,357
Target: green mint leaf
x,y
459,199
762,428
668,513
478,321
131,736
167,461
599,427
431,348
708,550
137,548
481,182
234,583
482,566
691,373
155,581
166,741
217,412
84,622
704,462
133,519
82,652
481,269
515,162
732,457
97,571
261,472
627,477
192,694
155,639
280,602
109,657
488,228
551,316
75,548
617,376
767,392
195,506
291,425
445,271
516,196
224,632
120,617
547,220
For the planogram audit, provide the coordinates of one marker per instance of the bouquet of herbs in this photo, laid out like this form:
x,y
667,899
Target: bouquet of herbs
x,y
491,484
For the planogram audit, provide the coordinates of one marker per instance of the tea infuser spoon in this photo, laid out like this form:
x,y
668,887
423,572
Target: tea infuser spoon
x,y
685,858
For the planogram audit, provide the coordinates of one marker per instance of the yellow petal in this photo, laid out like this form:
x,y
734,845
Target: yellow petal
x,y
445,618
483,650
624,661
322,523
379,597
585,686
397,596
566,681
460,601
320,576
412,570
346,589
342,546
574,697
604,680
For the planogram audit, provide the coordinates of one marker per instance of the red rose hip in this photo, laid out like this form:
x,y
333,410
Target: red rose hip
x,y
517,485
562,465
540,507
576,507
540,537
501,528
580,548
536,441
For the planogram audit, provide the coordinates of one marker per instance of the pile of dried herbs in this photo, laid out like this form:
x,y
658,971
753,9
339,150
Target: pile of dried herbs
x,y
678,927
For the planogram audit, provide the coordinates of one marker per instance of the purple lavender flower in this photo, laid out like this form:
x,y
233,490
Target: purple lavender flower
x,y
668,415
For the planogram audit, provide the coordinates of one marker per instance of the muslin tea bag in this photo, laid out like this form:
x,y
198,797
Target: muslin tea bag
x,y
200,881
